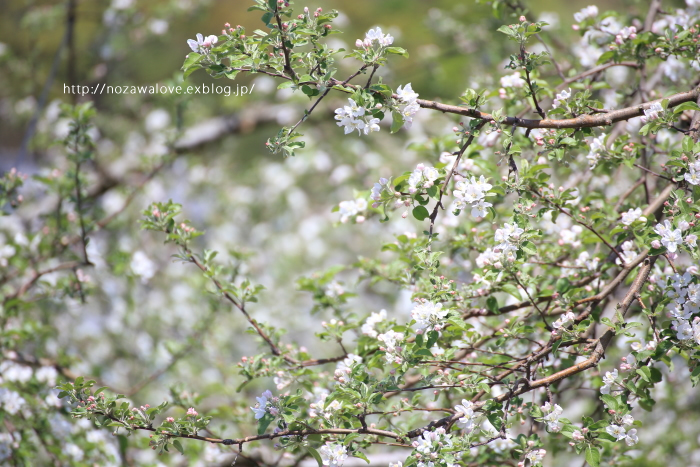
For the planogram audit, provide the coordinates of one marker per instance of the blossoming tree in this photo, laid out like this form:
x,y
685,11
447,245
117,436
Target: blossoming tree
x,y
555,259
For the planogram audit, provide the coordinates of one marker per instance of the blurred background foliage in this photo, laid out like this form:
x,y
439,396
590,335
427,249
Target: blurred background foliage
x,y
271,218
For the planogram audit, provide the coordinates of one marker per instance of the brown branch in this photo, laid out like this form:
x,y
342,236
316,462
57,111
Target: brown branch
x,y
583,121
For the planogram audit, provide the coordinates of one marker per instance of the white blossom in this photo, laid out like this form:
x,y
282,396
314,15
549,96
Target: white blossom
x,y
590,11
472,192
422,177
652,113
11,401
375,36
202,44
15,372
609,380
466,421
628,254
506,236
597,145
564,320
632,215
670,237
535,457
512,81
552,413
428,315
617,432
333,454
356,117
351,208
627,420
407,104
378,188
693,174
371,322
260,408
562,96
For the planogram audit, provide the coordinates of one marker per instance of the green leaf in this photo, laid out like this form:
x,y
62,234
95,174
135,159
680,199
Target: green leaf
x,y
563,285
610,401
397,123
314,453
192,58
397,51
529,247
593,456
190,70
178,446
492,305
264,422
420,213
309,91
686,106
512,290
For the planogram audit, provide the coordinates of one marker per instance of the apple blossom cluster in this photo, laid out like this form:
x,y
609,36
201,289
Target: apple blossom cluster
x,y
628,32
428,316
507,238
422,177
535,457
344,367
333,454
562,96
590,11
374,319
685,304
597,145
512,81
632,216
628,254
621,434
392,348
692,176
652,113
261,408
352,208
316,408
471,192
672,238
407,104
466,410
375,37
10,401
380,187
629,362
552,413
202,44
561,323
429,446
584,261
611,379
356,117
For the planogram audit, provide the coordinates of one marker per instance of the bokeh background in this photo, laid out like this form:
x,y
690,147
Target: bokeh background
x,y
268,216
